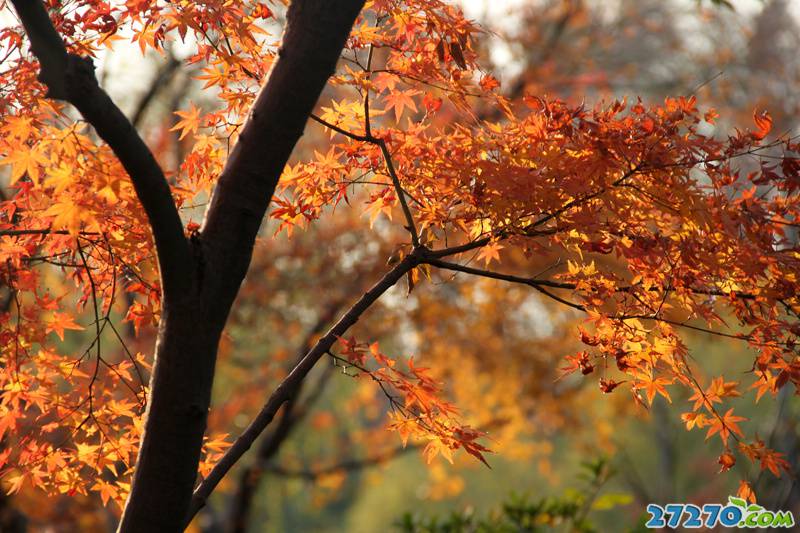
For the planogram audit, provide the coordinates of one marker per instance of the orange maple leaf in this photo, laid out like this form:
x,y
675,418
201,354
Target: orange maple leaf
x,y
190,121
399,100
763,122
60,322
745,491
490,252
725,425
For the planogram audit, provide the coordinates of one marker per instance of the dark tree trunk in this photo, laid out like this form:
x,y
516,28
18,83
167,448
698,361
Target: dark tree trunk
x,y
175,419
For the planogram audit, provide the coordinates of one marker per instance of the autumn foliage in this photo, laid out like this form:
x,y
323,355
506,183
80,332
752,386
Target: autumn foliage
x,y
632,217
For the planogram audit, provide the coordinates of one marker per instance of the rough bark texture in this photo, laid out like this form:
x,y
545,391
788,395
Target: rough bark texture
x,y
175,420
201,276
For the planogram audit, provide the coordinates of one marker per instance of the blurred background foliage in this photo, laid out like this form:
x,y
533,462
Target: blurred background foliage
x,y
567,456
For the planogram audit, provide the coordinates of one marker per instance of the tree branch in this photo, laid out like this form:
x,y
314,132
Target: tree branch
x,y
71,78
430,258
21,232
538,283
289,385
461,248
387,157
497,275
410,226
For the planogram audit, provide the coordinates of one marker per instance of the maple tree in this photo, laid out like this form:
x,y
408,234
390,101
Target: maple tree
x,y
627,214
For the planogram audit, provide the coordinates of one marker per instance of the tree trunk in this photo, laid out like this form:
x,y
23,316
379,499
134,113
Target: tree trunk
x,y
175,419
190,330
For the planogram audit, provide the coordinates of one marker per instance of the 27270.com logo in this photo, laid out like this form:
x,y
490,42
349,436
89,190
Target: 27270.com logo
x,y
735,514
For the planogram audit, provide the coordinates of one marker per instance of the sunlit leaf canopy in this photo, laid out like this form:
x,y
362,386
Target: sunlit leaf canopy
x,y
629,217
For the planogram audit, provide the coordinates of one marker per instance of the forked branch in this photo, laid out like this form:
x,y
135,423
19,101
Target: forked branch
x,y
387,157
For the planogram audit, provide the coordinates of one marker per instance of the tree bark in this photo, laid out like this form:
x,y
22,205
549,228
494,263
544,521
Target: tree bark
x,y
175,420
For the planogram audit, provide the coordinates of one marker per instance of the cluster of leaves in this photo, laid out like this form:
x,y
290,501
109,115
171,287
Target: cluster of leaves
x,y
416,401
71,422
691,247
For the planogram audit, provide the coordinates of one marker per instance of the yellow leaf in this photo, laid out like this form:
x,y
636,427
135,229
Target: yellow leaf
x,y
28,160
